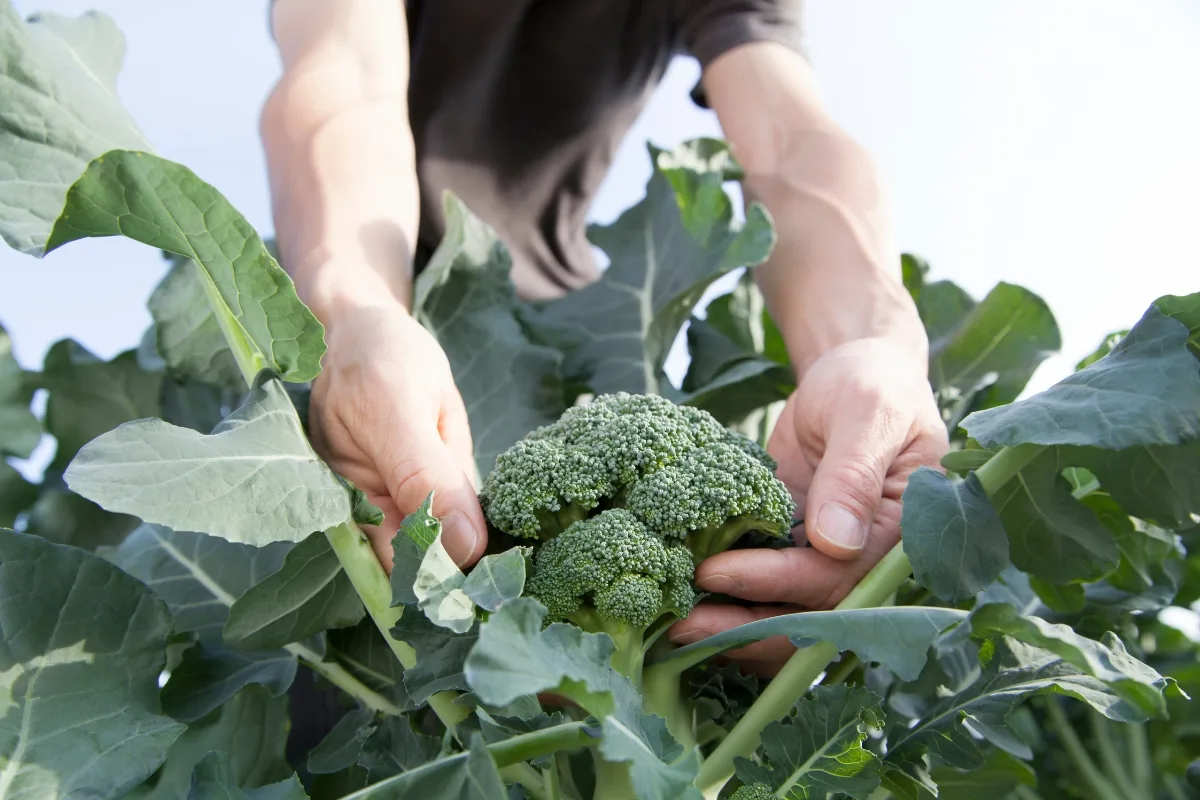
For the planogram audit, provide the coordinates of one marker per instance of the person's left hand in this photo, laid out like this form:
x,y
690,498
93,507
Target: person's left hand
x,y
862,419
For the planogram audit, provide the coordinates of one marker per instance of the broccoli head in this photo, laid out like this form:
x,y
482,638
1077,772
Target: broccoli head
x,y
682,473
753,791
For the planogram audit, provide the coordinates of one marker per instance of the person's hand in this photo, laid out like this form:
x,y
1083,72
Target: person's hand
x,y
862,419
386,415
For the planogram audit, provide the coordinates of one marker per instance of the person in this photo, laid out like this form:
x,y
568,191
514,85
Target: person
x,y
518,106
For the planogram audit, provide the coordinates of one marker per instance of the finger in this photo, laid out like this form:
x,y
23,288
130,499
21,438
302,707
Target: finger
x,y
455,430
708,619
416,462
802,576
847,485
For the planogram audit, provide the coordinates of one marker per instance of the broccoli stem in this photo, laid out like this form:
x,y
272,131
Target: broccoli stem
x,y
628,656
661,695
719,538
612,780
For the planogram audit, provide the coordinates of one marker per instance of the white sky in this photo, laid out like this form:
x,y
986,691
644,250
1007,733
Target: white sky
x,y
1051,143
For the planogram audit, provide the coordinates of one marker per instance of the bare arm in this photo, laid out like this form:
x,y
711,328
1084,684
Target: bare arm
x,y
862,417
834,276
340,153
384,412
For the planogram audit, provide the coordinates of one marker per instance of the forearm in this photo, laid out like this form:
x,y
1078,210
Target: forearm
x,y
340,154
834,275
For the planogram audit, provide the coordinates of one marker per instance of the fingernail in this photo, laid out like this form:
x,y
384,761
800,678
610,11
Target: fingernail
x,y
459,537
839,525
722,584
689,636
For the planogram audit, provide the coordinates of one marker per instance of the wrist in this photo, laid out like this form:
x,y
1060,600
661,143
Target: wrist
x,y
896,328
334,290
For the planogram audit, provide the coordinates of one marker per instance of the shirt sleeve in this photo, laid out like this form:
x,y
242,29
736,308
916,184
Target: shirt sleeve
x,y
709,28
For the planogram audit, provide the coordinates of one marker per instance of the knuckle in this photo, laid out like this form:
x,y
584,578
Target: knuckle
x,y
861,481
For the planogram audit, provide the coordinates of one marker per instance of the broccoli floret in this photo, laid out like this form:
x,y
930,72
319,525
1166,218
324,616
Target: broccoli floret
x,y
711,497
610,574
753,791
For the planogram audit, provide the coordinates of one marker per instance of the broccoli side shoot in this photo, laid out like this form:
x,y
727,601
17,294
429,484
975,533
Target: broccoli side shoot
x,y
610,574
753,791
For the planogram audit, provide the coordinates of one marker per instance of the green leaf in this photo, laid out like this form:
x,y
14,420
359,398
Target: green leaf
x,y
616,333
438,588
496,579
441,654
20,430
63,517
187,332
365,512
952,534
466,776
363,650
61,110
896,637
310,593
515,657
1137,683
421,526
252,728
16,494
164,205
1015,672
214,779
465,297
1145,392
1159,484
1186,309
1000,775
81,648
89,397
343,745
1003,339
819,751
1050,533
1065,598
255,479
394,747
199,577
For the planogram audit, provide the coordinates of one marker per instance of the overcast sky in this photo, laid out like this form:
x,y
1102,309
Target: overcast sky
x,y
1051,143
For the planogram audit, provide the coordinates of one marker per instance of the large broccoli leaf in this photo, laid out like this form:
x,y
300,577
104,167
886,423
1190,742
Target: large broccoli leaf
x,y
465,297
255,479
663,255
81,648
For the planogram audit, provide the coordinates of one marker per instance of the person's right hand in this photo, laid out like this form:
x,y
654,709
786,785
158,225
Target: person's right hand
x,y
386,415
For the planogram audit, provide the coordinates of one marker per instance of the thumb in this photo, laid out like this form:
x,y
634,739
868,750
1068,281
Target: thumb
x,y
847,486
418,464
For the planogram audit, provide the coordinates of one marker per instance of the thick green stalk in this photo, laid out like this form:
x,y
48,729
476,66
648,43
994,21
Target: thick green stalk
x,y
371,582
803,668
798,675
1110,758
1139,758
526,746
348,542
528,777
1003,467
1091,775
662,696
612,780
345,680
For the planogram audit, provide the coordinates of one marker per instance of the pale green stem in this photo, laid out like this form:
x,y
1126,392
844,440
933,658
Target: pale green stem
x,y
1139,758
1110,757
1088,772
842,671
1026,793
551,789
798,675
529,778
803,668
371,582
345,680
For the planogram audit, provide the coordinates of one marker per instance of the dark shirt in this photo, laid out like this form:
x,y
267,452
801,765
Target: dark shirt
x,y
517,106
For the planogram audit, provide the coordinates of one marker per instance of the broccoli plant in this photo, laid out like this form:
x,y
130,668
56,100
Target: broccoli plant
x,y
191,562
